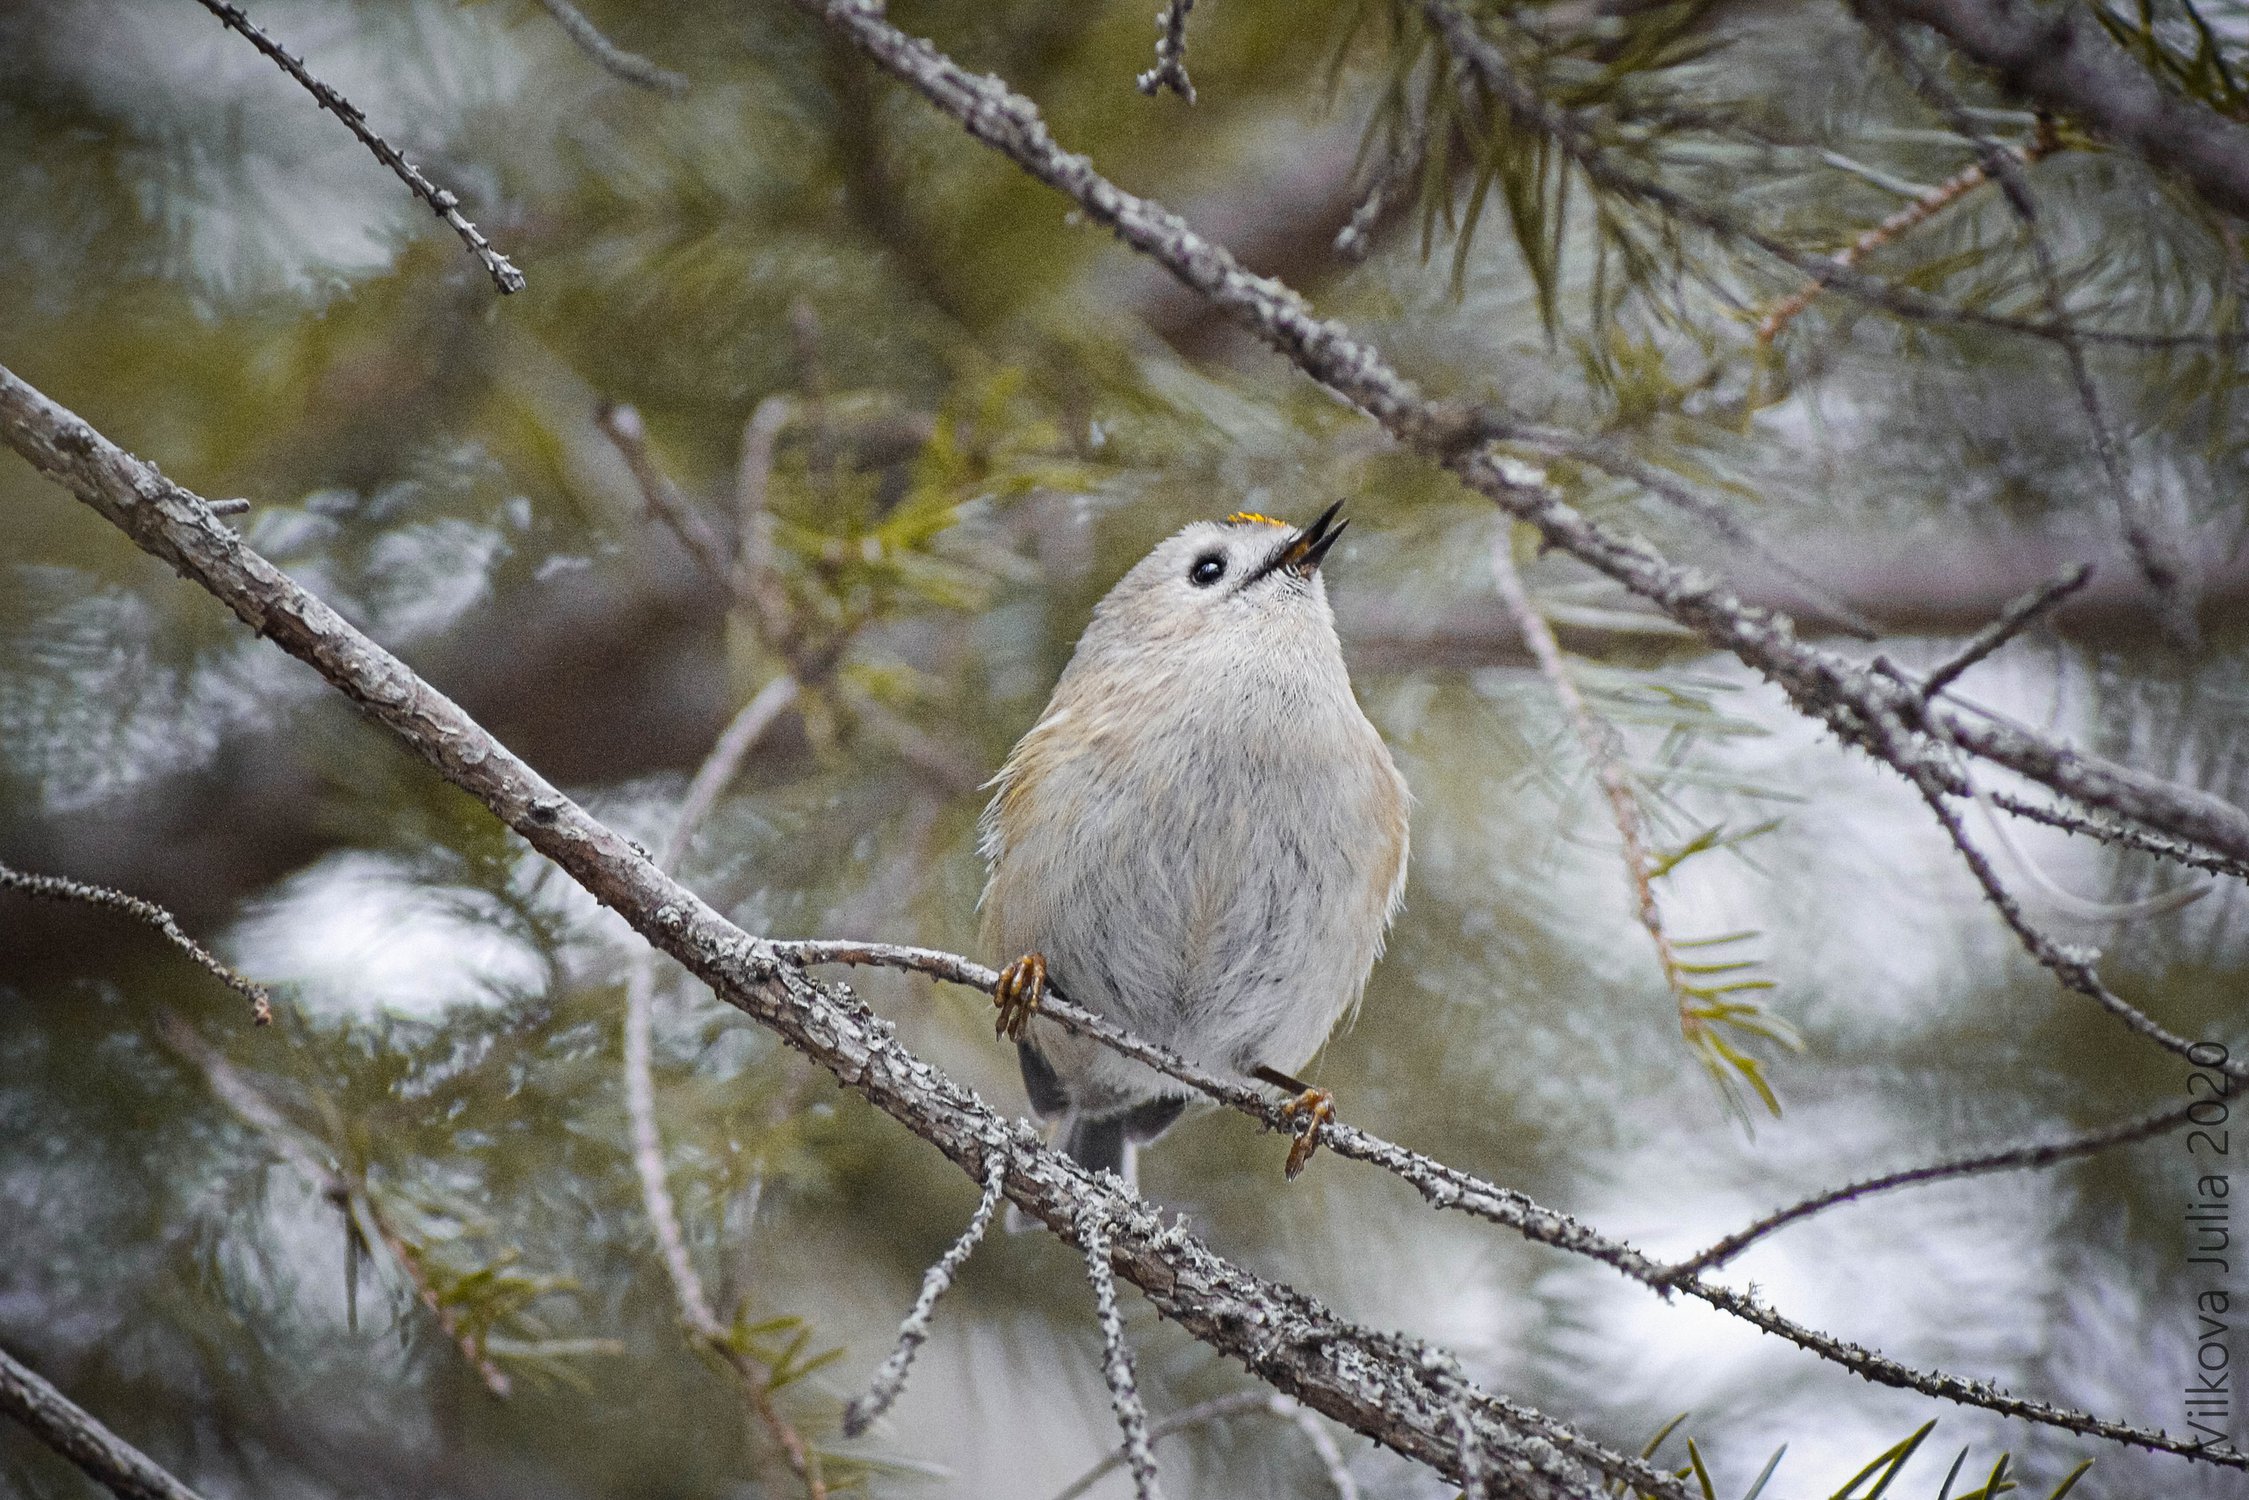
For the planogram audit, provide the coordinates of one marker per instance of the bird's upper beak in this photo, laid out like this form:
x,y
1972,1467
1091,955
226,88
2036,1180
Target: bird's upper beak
x,y
1303,552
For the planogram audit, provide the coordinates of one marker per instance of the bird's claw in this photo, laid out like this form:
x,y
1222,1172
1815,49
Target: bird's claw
x,y
1021,987
1315,1107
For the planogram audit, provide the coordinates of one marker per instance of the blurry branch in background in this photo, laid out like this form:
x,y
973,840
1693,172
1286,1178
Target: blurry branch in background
x,y
1903,222
608,56
1487,67
443,201
1225,1408
1377,1383
1116,1360
56,888
364,1223
660,497
2062,58
2156,555
2013,1158
1857,704
70,1430
1702,992
730,1344
1170,71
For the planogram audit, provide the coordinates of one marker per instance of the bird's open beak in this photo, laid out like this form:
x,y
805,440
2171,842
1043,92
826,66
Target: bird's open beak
x,y
1303,552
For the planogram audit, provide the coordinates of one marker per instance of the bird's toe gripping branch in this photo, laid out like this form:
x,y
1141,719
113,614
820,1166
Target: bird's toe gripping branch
x,y
1313,1106
1022,986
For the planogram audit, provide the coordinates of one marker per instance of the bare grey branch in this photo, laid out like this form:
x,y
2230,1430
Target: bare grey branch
x,y
443,201
77,1435
2012,1158
608,56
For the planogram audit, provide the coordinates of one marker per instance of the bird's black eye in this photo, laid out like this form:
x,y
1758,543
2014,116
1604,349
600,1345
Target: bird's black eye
x,y
1208,569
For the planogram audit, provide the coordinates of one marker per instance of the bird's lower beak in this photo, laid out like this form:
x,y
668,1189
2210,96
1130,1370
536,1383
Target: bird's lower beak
x,y
1303,552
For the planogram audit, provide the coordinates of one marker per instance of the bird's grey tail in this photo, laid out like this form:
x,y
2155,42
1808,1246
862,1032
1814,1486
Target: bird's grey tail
x,y
1101,1144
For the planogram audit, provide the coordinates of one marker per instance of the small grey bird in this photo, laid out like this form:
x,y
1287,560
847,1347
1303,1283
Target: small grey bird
x,y
1202,839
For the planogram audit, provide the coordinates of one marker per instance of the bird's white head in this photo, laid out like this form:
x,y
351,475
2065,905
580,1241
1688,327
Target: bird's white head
x,y
1246,579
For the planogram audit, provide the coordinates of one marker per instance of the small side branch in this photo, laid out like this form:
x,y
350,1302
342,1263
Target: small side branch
x,y
1170,71
2074,967
890,1377
443,201
2013,1158
72,1431
608,56
702,1322
2012,621
1116,1360
57,888
1902,223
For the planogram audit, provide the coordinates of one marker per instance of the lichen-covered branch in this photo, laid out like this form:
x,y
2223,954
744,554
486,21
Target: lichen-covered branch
x,y
1370,1381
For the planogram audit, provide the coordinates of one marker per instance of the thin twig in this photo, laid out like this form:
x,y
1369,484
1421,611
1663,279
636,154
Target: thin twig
x,y
608,56
1400,169
58,888
1931,203
1116,1361
1598,739
346,1193
1170,71
2155,555
661,498
756,581
2118,834
695,1312
2012,1158
890,1377
2012,621
79,1436
2073,966
443,201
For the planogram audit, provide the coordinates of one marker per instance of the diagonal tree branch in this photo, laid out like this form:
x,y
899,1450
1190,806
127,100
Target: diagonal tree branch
x,y
444,202
77,1435
60,888
1854,702
1377,1383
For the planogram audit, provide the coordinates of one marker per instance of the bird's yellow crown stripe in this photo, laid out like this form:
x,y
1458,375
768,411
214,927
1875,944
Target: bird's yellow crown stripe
x,y
1251,515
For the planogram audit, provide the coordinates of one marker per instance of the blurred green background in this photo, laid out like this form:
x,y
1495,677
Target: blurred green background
x,y
987,413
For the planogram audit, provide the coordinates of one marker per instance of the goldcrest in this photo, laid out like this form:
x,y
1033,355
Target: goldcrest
x,y
1202,838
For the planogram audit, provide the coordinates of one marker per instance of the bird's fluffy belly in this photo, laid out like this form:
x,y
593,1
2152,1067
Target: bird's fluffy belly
x,y
1236,939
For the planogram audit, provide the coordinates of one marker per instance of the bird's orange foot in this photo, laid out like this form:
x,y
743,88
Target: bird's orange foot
x,y
1022,986
1315,1107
